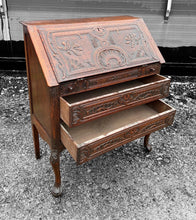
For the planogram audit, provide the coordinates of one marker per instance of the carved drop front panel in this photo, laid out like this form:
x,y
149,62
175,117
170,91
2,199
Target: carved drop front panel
x,y
94,49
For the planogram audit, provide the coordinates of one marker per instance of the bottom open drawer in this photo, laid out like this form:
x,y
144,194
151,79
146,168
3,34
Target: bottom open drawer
x,y
94,138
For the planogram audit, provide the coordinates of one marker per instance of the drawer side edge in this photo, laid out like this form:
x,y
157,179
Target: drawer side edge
x,y
65,111
69,143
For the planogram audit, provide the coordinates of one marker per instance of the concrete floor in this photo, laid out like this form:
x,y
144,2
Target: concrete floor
x,y
126,183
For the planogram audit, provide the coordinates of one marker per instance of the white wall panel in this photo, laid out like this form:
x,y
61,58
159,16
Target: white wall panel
x,y
179,31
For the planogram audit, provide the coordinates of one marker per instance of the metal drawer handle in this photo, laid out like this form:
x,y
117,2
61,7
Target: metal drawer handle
x,y
70,88
152,69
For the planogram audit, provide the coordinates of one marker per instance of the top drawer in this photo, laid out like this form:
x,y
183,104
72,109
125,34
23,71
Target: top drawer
x,y
80,108
102,80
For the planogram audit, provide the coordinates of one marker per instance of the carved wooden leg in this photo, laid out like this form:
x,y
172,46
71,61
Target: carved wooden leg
x,y
36,141
146,143
55,162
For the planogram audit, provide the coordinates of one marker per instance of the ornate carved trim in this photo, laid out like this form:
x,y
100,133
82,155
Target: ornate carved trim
x,y
111,57
94,50
131,134
82,112
54,157
85,84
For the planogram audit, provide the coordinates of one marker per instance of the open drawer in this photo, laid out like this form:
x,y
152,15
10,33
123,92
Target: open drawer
x,y
94,138
80,108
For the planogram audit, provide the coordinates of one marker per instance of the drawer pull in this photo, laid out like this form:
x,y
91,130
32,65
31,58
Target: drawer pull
x,y
152,69
70,88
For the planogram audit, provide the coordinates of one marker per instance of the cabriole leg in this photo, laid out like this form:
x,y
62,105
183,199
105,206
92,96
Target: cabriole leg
x,y
36,141
146,143
55,162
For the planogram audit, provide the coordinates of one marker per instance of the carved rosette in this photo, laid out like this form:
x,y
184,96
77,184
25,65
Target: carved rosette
x,y
126,99
132,40
85,153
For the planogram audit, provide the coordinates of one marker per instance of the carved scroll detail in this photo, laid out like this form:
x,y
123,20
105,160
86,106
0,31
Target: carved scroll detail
x,y
81,112
78,113
90,50
141,130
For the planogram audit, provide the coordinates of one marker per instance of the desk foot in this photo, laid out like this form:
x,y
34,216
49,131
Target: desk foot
x,y
56,191
146,143
55,162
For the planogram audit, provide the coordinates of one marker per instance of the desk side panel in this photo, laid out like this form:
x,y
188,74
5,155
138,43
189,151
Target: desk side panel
x,y
39,92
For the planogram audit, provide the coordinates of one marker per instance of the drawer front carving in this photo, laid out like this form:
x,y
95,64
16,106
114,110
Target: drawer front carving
x,y
90,83
88,152
80,108
96,137
86,112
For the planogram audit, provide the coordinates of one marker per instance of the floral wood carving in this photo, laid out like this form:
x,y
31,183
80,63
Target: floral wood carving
x,y
71,48
132,39
80,113
132,133
93,50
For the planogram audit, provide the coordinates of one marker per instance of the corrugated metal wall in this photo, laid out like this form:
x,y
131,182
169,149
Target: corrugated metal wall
x,y
179,31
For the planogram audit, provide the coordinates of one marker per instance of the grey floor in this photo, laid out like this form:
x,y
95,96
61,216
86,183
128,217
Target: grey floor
x,y
126,183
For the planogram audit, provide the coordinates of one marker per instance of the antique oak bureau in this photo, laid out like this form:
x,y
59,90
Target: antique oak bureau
x,y
94,85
